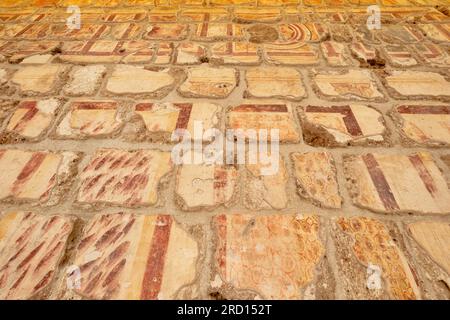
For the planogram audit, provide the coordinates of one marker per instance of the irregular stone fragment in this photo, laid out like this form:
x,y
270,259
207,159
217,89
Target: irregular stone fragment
x,y
38,79
130,257
335,53
315,174
189,53
261,33
218,31
84,80
274,256
15,51
367,55
433,54
291,53
6,106
342,125
90,119
250,14
240,53
32,247
204,81
397,183
399,56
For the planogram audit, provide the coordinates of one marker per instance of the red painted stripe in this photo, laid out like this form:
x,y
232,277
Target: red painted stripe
x,y
93,105
184,115
261,108
144,107
25,118
349,118
424,174
424,109
151,284
221,223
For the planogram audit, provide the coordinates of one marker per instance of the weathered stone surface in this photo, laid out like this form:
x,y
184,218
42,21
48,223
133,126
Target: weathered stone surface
x,y
31,247
38,79
6,107
38,59
166,31
434,238
353,84
397,183
204,81
253,116
374,267
235,53
342,125
35,176
367,55
417,84
18,50
92,118
84,80
31,120
274,82
139,81
432,54
274,256
291,53
204,186
261,33
160,120
335,53
311,32
437,32
189,53
251,14
218,31
396,34
204,14
315,174
3,76
127,256
424,124
125,178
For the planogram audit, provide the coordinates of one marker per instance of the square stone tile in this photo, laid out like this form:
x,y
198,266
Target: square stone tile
x,y
35,176
417,85
291,53
211,82
374,265
124,178
131,257
274,256
251,14
315,174
342,125
84,81
264,115
355,84
397,183
218,32
399,56
167,31
235,53
274,82
38,80
301,32
32,248
90,119
433,54
424,124
204,186
335,53
189,53
31,120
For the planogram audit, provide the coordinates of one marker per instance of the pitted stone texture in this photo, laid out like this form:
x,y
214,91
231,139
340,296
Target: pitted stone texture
x,y
434,238
424,124
265,185
352,84
235,53
139,81
131,257
315,174
374,267
417,84
335,53
31,120
274,256
291,53
125,178
84,80
31,247
342,125
161,120
205,186
35,176
38,79
92,118
252,116
204,81
274,82
397,183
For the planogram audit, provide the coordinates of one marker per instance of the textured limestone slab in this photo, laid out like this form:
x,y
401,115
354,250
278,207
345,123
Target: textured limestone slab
x,y
205,81
424,124
35,80
433,54
167,31
374,265
139,81
315,174
262,33
125,178
31,120
341,33
38,59
255,116
335,53
342,125
239,53
299,32
160,120
437,32
353,84
218,31
84,80
399,56
274,82
92,118
274,256
35,176
251,14
291,53
31,248
397,183
132,257
189,53
417,84
203,186
396,34
434,238
266,191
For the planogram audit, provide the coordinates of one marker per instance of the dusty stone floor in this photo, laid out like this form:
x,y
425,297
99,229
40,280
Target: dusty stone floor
x,y
93,207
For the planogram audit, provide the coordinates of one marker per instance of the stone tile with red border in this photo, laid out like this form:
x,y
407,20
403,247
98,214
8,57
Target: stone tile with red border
x,y
235,53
